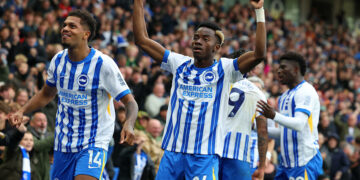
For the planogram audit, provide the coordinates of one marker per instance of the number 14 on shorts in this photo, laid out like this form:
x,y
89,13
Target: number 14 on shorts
x,y
94,159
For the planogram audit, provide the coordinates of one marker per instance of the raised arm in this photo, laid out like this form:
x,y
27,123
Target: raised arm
x,y
151,47
39,100
249,60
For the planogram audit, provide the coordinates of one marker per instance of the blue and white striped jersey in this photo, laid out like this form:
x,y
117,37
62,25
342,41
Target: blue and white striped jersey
x,y
198,102
299,147
238,143
85,115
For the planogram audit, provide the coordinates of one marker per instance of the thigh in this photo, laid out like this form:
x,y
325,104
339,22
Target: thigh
x,y
171,166
281,173
63,166
314,167
201,167
90,162
85,177
234,169
310,171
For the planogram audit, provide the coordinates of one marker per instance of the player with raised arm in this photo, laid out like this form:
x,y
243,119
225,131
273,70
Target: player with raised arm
x,y
199,94
298,116
86,82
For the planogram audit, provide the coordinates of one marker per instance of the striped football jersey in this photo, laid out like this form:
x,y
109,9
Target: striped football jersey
x,y
197,103
299,147
238,142
85,115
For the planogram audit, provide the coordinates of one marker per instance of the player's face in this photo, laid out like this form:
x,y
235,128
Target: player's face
x,y
286,72
72,32
204,43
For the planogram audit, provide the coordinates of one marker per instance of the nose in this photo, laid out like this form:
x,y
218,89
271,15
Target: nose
x,y
64,28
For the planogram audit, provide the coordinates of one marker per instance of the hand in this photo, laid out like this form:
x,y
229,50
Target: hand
x,y
257,4
16,119
338,175
22,128
265,109
258,174
127,134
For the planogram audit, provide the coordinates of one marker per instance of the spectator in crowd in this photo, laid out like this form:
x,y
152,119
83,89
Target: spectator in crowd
x,y
31,48
7,134
4,69
355,160
138,87
162,114
348,130
21,76
152,143
142,121
38,126
17,164
154,128
120,119
155,100
21,97
7,93
14,67
134,163
41,156
326,126
336,162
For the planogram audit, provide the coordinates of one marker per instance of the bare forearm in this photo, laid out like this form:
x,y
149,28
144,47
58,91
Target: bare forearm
x,y
39,100
131,112
260,42
261,124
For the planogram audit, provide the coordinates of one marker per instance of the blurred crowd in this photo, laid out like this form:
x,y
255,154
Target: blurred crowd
x,y
29,38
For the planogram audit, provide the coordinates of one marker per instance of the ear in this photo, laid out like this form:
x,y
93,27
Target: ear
x,y
87,35
297,69
217,47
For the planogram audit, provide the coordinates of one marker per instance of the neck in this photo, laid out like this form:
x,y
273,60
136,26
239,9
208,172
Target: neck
x,y
138,150
2,124
296,82
203,63
78,53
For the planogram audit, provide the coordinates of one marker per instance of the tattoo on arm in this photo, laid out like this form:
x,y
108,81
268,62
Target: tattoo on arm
x,y
131,112
261,124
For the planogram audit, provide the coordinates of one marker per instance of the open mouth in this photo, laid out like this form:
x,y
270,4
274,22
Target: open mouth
x,y
197,49
280,77
65,36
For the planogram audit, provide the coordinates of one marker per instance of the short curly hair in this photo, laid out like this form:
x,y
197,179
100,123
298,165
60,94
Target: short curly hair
x,y
86,19
295,57
211,25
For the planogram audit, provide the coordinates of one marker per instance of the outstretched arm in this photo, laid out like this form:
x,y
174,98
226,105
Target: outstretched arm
x,y
249,60
151,47
39,100
296,123
127,133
